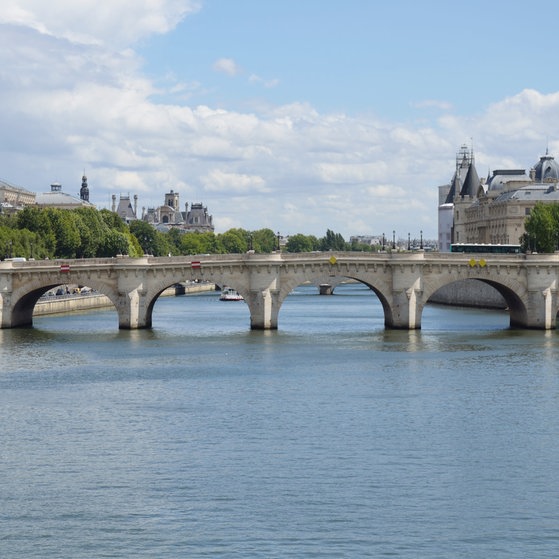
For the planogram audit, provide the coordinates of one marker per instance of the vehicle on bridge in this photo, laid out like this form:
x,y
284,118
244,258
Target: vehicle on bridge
x,y
482,248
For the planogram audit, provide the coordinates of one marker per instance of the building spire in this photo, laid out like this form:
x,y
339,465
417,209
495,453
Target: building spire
x,y
84,190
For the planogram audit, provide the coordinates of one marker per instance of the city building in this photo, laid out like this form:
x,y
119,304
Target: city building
x,y
14,198
56,198
493,210
125,210
195,218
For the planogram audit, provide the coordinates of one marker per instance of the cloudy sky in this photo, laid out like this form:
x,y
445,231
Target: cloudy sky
x,y
298,115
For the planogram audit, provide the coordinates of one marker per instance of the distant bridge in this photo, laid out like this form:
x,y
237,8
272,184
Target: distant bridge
x,y
403,282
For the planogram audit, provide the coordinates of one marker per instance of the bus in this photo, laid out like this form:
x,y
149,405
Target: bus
x,y
481,248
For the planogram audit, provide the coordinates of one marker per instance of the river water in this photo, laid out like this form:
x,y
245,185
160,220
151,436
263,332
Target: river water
x,y
331,437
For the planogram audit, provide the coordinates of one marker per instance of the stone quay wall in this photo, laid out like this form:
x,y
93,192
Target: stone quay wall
x,y
82,302
469,293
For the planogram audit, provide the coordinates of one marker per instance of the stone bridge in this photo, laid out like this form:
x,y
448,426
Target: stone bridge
x,y
403,282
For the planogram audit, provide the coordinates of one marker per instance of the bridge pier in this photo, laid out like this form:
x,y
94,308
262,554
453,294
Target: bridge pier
x,y
325,289
405,313
541,311
264,309
133,313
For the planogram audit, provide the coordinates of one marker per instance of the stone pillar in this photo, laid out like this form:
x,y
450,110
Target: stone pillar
x,y
263,306
406,304
263,291
5,299
542,307
405,315
325,289
133,312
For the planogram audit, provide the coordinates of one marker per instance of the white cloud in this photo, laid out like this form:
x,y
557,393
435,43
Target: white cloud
x,y
433,104
233,183
227,66
253,78
75,105
116,23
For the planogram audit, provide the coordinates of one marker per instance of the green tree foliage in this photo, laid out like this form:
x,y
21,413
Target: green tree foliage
x,y
300,243
234,241
87,233
263,241
66,231
113,243
147,237
174,237
55,233
333,241
113,221
542,229
363,247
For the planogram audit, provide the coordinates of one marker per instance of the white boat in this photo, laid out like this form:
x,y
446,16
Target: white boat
x,y
230,294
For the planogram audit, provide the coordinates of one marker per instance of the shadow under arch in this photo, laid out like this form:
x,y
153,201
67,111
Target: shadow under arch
x,y
509,300
517,309
22,312
387,309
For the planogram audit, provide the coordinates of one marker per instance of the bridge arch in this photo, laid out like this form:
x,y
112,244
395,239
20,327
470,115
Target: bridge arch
x,y
302,277
512,291
158,284
26,297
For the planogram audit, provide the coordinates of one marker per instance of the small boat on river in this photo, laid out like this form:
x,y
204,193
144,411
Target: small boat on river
x,y
230,294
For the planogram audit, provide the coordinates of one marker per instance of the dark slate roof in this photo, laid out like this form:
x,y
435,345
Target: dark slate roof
x,y
471,183
546,169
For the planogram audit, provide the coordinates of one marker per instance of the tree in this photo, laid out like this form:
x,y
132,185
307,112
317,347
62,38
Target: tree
x,y
234,241
113,243
264,241
542,228
92,230
174,237
66,231
299,243
146,235
333,241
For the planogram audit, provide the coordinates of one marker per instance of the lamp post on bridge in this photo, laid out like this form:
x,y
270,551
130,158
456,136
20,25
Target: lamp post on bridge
x,y
383,242
421,239
393,240
278,236
409,242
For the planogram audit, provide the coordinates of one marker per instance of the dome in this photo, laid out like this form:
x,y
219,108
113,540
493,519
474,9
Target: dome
x,y
500,179
547,169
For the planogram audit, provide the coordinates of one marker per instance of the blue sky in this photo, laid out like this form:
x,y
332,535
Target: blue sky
x,y
298,115
394,59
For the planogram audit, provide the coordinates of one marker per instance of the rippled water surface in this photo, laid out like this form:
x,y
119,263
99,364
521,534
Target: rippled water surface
x,y
331,437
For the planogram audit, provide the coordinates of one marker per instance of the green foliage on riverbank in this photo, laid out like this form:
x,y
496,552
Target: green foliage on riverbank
x,y
542,229
55,233
88,233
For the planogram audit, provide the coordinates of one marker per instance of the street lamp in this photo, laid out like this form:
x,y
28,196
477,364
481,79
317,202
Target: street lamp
x,y
279,249
409,242
393,240
383,241
421,239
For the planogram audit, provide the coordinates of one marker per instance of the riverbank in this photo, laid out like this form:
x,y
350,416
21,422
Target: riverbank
x,y
57,304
